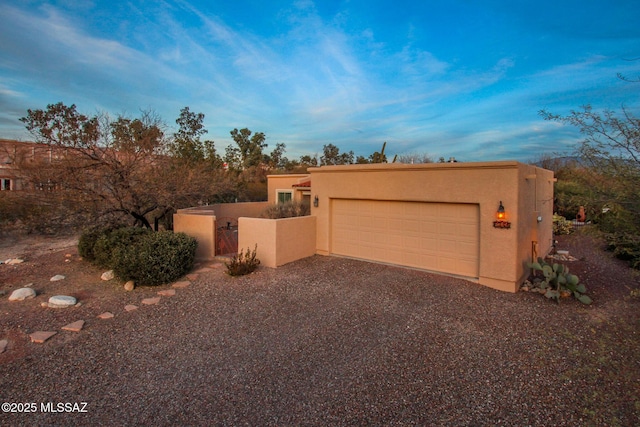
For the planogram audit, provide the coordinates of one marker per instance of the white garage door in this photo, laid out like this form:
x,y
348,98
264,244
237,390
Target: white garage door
x,y
441,237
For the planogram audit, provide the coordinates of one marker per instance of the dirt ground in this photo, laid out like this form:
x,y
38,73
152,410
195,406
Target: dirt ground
x,y
323,341
608,281
44,257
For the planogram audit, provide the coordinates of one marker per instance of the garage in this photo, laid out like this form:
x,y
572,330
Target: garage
x,y
442,237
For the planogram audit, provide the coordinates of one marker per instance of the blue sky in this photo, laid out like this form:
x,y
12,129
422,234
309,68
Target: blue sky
x,y
447,78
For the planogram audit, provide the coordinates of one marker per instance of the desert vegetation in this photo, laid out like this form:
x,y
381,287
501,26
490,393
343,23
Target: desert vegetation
x,y
603,177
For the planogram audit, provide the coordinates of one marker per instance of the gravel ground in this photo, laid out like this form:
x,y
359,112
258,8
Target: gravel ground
x,y
331,341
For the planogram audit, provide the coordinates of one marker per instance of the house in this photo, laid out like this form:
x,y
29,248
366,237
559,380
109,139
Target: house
x,y
13,153
481,221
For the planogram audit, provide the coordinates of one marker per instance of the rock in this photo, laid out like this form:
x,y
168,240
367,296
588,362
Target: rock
x,y
74,327
151,301
57,278
14,261
129,286
192,276
3,345
61,301
106,315
41,336
44,304
130,307
22,294
181,285
167,292
107,275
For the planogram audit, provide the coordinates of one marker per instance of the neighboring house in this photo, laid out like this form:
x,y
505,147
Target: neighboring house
x,y
480,221
13,152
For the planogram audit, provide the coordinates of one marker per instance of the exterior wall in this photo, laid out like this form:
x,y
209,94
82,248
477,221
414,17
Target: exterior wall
x,y
503,252
279,241
236,210
200,224
284,182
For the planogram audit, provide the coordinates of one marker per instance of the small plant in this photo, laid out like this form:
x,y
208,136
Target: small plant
x,y
561,225
558,280
243,263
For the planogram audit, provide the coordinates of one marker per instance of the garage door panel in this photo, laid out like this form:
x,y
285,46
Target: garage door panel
x,y
434,236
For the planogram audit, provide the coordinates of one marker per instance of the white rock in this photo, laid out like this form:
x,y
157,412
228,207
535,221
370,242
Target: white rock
x,y
129,286
61,301
22,294
57,278
14,261
107,275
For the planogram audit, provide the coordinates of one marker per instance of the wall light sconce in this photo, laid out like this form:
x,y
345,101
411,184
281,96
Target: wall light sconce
x,y
315,201
501,216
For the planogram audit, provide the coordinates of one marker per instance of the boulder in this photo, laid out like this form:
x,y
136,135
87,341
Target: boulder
x,y
61,301
22,294
107,275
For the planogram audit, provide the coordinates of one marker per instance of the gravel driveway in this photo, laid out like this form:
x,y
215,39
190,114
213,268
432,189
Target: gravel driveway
x,y
331,341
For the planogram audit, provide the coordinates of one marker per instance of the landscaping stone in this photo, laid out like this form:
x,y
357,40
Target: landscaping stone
x,y
130,307
180,285
3,345
61,301
107,275
57,278
129,286
22,294
151,301
106,315
41,336
167,292
74,327
14,261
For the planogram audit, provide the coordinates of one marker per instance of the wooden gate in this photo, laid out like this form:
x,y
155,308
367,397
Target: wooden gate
x,y
226,236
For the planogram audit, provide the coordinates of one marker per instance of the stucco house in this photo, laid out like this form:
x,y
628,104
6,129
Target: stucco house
x,y
481,221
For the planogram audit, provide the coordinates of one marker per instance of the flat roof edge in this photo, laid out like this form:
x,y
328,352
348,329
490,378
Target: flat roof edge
x,y
504,164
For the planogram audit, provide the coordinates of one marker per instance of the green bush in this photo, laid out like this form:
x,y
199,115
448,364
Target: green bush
x,y
286,210
561,225
625,246
108,244
155,258
243,263
87,242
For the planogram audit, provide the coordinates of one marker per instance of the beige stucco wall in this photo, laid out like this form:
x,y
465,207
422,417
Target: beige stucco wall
x,y
523,189
284,182
279,241
236,210
201,222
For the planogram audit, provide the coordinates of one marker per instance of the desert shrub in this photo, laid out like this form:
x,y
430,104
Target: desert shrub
x,y
107,245
87,242
155,258
625,246
561,225
286,210
243,263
